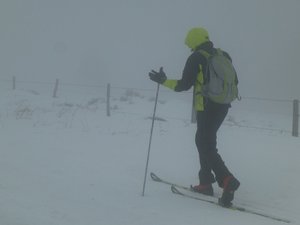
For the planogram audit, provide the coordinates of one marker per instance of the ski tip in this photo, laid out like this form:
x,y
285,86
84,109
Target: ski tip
x,y
154,177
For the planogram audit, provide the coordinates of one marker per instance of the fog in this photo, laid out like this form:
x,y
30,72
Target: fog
x,y
118,41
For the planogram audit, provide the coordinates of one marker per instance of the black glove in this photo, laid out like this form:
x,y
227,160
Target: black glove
x,y
159,77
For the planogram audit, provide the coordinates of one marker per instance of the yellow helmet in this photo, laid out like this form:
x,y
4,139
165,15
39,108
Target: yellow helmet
x,y
195,37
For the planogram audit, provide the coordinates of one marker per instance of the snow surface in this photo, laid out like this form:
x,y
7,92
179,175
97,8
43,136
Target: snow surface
x,y
64,162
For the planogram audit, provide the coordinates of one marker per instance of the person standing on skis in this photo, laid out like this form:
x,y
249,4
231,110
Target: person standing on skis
x,y
210,116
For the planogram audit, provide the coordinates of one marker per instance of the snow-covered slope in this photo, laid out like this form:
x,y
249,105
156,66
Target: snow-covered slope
x,y
63,162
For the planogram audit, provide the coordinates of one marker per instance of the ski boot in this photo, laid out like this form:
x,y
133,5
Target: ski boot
x,y
230,185
205,189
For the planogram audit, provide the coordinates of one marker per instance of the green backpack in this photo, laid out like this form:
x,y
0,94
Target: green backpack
x,y
221,78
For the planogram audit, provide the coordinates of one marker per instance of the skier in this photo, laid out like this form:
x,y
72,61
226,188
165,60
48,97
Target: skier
x,y
210,116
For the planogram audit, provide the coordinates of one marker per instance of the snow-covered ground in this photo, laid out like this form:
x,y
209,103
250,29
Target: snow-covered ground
x,y
64,162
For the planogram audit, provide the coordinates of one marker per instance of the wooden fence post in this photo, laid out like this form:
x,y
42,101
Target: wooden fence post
x,y
295,117
55,88
108,100
14,83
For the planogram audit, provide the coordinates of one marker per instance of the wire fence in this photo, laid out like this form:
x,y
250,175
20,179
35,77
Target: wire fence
x,y
278,115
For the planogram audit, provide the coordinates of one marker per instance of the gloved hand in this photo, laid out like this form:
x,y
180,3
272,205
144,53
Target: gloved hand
x,y
159,77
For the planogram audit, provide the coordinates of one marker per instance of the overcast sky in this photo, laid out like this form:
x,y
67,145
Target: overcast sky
x,y
119,41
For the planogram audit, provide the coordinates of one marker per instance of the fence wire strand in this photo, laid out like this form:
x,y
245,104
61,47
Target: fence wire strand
x,y
14,81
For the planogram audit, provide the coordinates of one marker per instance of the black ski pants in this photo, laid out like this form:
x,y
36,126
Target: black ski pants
x,y
208,123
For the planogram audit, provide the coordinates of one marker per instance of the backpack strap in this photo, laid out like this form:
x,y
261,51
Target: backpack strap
x,y
217,51
207,57
204,53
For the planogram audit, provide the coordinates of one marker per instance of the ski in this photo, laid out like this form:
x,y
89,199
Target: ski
x,y
176,190
158,179
189,193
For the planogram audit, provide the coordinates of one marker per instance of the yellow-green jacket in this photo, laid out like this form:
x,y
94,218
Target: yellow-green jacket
x,y
193,75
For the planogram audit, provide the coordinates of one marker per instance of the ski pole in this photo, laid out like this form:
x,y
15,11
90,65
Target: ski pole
x,y
150,140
